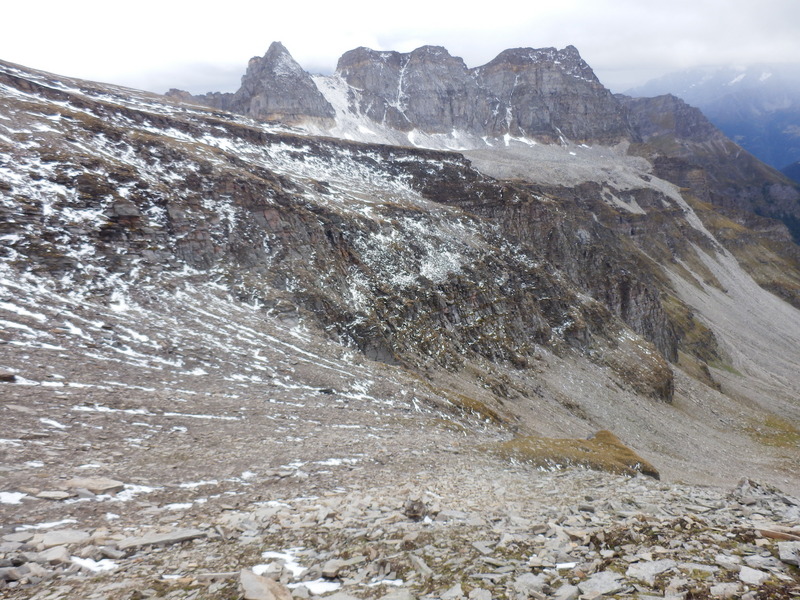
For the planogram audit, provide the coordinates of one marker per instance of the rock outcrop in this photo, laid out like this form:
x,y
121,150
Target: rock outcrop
x,y
538,94
524,94
275,87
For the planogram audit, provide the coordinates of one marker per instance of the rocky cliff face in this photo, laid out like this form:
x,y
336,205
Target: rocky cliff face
x,y
549,94
542,94
756,106
429,98
275,87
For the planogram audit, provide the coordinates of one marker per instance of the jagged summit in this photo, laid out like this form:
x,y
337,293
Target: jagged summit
x,y
536,95
274,88
567,60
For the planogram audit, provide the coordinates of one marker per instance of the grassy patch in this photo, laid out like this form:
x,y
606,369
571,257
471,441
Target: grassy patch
x,y
603,452
725,367
774,431
475,407
695,338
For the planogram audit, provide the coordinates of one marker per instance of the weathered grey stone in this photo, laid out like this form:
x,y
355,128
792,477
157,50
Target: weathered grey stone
x,y
256,587
566,592
420,565
647,571
20,536
762,562
11,574
693,566
54,495
109,552
454,592
450,515
480,594
399,594
330,570
33,569
9,547
605,582
60,537
731,563
96,485
789,552
300,591
753,576
725,590
482,547
528,582
161,539
54,556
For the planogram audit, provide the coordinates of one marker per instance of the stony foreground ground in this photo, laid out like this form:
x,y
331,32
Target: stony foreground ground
x,y
128,474
440,521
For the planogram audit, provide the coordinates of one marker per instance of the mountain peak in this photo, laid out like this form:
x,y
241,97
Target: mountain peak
x,y
567,60
275,87
277,62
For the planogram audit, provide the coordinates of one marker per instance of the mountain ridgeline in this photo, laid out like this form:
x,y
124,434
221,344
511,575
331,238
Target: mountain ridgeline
x,y
756,106
524,94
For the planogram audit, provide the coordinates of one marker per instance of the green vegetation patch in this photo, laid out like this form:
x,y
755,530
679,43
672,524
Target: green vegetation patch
x,y
777,432
603,452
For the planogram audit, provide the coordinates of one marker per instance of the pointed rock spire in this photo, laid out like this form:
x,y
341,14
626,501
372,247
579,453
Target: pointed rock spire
x,y
275,86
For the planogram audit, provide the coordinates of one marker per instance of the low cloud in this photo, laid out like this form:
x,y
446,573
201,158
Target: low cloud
x,y
627,42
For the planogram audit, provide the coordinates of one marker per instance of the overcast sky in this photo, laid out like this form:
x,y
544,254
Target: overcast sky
x,y
199,46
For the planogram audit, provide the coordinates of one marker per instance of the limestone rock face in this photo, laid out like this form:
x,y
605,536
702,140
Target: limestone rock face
x,y
545,93
426,89
549,94
688,150
275,87
530,95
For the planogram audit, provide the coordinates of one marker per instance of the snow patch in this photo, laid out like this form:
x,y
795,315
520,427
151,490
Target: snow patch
x,y
11,497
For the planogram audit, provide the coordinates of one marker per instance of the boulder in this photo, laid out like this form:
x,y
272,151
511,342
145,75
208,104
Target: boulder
x,y
256,587
605,582
96,485
61,537
753,576
647,571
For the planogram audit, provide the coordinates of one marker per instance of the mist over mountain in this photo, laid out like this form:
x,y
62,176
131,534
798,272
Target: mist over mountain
x,y
428,331
758,106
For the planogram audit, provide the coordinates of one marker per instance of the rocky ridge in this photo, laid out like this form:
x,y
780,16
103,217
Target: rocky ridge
x,y
274,87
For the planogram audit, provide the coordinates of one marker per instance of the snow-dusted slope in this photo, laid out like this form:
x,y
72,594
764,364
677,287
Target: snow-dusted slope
x,y
193,253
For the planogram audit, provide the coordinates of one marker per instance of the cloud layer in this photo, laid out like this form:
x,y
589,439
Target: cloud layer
x,y
204,47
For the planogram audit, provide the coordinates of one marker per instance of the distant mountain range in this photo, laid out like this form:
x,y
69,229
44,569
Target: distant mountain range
x,y
758,106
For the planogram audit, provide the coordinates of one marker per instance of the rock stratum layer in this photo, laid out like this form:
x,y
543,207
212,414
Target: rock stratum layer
x,y
192,297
